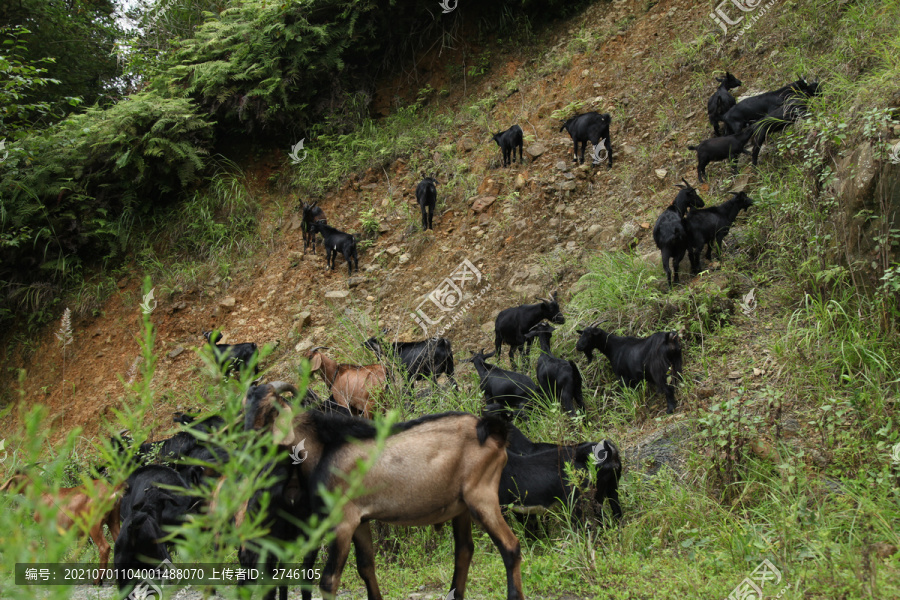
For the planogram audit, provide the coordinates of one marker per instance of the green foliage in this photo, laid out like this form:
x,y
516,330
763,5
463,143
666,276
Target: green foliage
x,y
73,193
19,80
78,36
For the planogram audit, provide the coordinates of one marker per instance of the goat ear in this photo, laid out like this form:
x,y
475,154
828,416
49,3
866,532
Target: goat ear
x,y
315,363
579,331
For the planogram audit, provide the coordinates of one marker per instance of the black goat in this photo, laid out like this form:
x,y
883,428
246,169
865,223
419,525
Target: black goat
x,y
535,479
557,378
721,100
591,127
338,241
176,505
426,196
656,359
288,502
727,147
138,545
426,359
750,110
508,141
709,226
511,390
233,358
312,213
669,233
513,323
777,120
205,424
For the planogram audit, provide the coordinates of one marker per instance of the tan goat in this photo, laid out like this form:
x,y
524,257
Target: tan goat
x,y
434,469
353,386
75,506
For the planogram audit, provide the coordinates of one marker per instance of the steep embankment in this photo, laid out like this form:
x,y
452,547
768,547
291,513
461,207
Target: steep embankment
x,y
529,234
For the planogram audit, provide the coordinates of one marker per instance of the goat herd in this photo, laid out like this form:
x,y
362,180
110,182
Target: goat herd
x,y
452,466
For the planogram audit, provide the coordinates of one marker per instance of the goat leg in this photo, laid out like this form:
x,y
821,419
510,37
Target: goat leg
x,y
365,560
463,549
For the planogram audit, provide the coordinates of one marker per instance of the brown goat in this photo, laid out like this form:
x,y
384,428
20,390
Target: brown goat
x,y
75,506
351,385
433,469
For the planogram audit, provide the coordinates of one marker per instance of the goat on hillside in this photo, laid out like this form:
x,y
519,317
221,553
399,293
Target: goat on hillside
x,y
508,141
513,323
508,391
414,481
88,507
312,213
669,233
709,226
721,101
727,147
656,359
337,241
426,359
749,110
557,378
591,127
233,358
426,196
353,386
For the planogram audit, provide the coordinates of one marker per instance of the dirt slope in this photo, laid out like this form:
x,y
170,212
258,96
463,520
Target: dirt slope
x,y
524,246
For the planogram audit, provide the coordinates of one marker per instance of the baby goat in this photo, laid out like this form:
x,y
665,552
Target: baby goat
x,y
669,232
557,378
337,241
709,226
508,141
727,147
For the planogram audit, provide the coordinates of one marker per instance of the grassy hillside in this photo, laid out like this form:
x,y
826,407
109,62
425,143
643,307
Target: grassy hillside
x,y
784,446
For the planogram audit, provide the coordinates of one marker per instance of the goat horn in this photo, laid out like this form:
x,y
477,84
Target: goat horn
x,y
311,350
283,386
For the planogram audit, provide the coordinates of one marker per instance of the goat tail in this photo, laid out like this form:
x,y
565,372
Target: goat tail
x,y
489,425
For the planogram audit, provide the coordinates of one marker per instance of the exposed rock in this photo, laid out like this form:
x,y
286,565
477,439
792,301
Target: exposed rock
x,y
337,294
482,203
627,149
567,185
404,258
661,173
489,187
663,447
174,353
355,281
520,181
562,165
303,345
393,250
228,302
304,318
535,150
488,327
